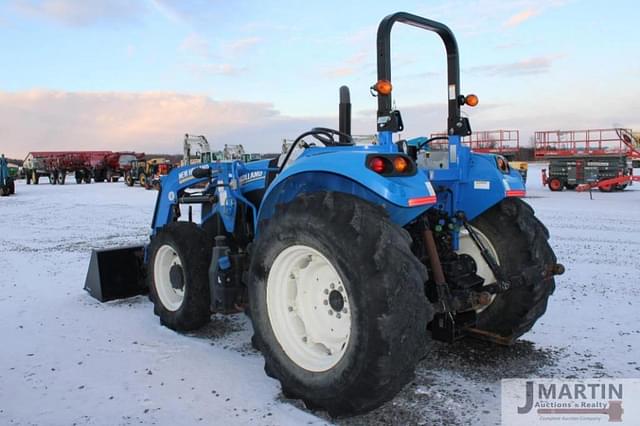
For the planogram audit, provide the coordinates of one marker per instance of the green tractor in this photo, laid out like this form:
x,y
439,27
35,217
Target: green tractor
x,y
7,182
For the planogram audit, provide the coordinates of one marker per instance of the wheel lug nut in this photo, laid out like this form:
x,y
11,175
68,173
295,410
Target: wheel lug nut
x,y
340,289
326,291
326,302
330,312
338,315
304,339
290,308
344,311
332,286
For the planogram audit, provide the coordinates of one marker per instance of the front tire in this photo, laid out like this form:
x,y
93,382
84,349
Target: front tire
x,y
337,302
178,280
519,240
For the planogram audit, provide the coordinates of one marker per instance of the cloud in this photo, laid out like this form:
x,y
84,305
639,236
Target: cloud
x,y
81,13
217,69
348,67
196,44
521,17
152,122
488,15
241,45
536,65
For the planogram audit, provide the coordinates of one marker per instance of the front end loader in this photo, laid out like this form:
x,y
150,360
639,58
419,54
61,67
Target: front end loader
x,y
346,256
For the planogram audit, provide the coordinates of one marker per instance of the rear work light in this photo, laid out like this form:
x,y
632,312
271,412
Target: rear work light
x,y
391,164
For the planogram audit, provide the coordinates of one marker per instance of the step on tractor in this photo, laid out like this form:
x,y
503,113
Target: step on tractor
x,y
7,182
349,259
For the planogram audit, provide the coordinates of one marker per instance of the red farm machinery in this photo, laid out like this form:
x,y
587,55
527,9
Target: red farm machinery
x,y
84,165
585,159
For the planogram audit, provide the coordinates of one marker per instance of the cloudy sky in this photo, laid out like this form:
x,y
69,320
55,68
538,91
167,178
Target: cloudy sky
x,y
137,74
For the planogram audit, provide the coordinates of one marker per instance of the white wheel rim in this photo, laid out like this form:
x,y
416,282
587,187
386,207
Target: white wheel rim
x,y
468,247
304,292
167,257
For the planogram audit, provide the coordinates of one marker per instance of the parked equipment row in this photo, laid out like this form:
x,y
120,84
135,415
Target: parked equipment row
x,y
84,165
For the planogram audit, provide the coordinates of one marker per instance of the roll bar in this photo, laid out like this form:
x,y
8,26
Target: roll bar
x,y
456,124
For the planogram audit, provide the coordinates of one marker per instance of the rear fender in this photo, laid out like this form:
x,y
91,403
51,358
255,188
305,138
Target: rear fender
x,y
482,186
346,172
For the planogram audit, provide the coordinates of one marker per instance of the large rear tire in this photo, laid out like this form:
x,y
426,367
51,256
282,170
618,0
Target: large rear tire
x,y
179,257
337,302
519,241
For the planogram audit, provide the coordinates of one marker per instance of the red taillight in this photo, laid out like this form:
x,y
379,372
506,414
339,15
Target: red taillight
x,y
516,193
421,201
377,164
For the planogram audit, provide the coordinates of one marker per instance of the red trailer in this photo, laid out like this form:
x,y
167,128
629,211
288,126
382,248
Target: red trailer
x,y
99,165
115,165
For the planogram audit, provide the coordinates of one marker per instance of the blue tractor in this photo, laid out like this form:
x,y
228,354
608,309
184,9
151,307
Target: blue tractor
x,y
7,184
347,258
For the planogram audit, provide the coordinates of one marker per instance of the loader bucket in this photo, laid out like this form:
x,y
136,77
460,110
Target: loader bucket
x,y
116,273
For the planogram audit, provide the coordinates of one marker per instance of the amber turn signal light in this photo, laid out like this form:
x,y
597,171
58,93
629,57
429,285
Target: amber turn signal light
x,y
383,87
471,100
400,164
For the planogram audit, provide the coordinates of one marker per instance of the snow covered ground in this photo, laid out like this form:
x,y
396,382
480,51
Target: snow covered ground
x,y
67,359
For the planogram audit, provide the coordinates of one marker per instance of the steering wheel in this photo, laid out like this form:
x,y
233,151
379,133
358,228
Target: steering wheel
x,y
328,136
428,141
324,135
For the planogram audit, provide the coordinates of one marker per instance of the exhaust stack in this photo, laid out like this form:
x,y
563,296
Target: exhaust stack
x,y
344,113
